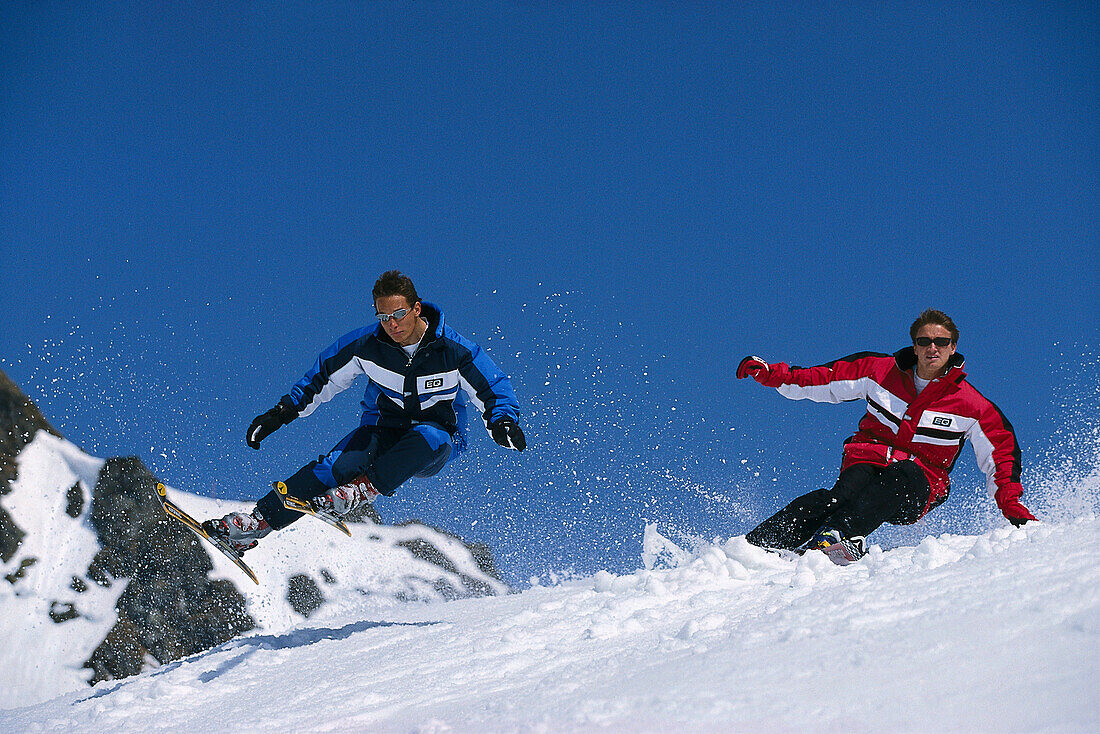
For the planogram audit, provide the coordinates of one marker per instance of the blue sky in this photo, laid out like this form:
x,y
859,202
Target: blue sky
x,y
617,200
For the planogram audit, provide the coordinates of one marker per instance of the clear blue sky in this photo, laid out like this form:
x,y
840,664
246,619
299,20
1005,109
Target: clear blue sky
x,y
617,200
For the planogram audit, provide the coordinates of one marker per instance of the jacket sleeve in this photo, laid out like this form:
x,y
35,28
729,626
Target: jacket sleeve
x,y
333,372
489,389
848,378
998,456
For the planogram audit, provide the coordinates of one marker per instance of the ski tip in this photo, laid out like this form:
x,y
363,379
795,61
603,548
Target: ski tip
x,y
344,528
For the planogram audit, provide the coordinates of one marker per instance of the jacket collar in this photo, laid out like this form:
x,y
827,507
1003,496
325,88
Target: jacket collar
x,y
433,314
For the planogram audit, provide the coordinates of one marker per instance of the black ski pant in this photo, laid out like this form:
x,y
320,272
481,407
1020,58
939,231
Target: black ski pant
x,y
387,456
863,498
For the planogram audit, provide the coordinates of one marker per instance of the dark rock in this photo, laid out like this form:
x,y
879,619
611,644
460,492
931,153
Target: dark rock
x,y
304,595
482,555
365,512
11,536
119,655
447,590
62,612
20,419
74,501
170,609
18,573
96,573
78,585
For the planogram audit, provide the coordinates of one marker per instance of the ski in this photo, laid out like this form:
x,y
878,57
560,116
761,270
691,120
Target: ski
x,y
785,553
174,511
843,553
293,503
837,553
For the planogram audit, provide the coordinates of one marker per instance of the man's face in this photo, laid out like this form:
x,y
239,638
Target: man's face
x,y
402,330
932,359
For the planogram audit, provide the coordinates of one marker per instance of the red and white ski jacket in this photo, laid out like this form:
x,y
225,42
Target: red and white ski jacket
x,y
929,428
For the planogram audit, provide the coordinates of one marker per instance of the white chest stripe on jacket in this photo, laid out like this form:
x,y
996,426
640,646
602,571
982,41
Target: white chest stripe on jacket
x,y
392,383
437,388
843,391
883,417
438,398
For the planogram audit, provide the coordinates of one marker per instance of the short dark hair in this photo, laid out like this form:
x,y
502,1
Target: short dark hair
x,y
395,283
932,316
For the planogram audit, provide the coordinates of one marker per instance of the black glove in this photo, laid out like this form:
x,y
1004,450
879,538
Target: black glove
x,y
507,433
266,424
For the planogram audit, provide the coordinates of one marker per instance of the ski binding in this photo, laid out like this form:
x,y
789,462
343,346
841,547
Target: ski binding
x,y
174,511
298,505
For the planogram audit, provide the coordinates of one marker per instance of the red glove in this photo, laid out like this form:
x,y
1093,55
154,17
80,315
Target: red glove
x,y
1008,499
753,367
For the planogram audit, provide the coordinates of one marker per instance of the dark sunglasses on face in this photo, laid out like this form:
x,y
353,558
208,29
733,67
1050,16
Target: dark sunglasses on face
x,y
398,315
927,341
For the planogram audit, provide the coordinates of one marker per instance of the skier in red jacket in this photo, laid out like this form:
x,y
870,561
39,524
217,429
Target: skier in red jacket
x,y
920,412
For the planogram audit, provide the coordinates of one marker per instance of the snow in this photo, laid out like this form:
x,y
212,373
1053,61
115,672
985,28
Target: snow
x,y
371,566
41,659
62,548
996,632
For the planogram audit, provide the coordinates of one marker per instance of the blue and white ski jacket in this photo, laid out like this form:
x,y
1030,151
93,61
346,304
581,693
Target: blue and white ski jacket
x,y
435,385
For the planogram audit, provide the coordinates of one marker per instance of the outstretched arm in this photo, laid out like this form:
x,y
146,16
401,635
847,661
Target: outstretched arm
x,y
335,369
848,378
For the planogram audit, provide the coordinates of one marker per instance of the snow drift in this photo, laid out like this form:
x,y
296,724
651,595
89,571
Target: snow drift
x,y
996,632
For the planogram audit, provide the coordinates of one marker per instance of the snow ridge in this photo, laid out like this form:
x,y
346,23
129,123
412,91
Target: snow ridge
x,y
992,632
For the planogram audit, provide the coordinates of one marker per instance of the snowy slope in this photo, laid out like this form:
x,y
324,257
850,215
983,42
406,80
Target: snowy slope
x,y
37,655
993,633
41,658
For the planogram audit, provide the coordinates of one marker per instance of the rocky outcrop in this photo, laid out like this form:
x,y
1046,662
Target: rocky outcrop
x,y
421,548
20,419
170,608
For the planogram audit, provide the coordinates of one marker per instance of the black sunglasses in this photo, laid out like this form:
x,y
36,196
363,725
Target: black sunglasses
x,y
927,341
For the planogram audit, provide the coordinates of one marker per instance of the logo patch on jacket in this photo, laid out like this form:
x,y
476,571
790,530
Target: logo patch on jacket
x,y
939,420
438,384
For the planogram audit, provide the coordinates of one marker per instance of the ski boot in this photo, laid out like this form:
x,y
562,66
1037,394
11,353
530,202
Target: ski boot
x,y
345,498
839,549
241,530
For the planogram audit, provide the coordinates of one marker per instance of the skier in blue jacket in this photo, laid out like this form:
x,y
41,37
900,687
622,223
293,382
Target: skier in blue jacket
x,y
421,376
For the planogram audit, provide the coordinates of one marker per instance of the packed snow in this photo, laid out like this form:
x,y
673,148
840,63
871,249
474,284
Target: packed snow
x,y
998,632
